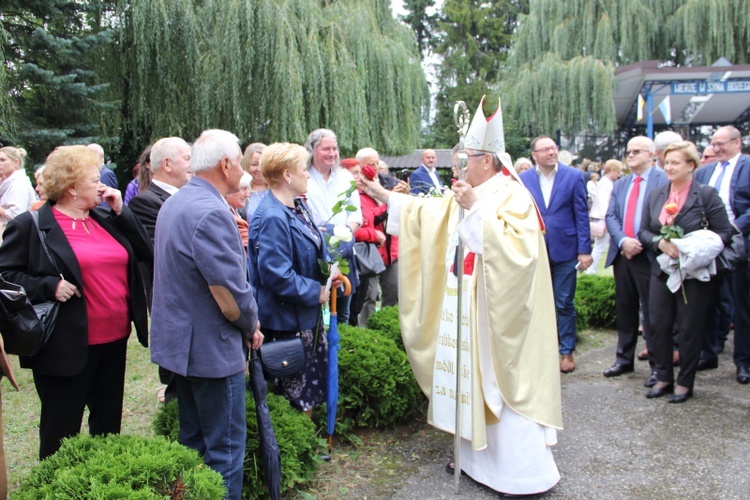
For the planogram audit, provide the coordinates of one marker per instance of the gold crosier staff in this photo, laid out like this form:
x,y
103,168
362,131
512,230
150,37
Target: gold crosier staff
x,y
461,118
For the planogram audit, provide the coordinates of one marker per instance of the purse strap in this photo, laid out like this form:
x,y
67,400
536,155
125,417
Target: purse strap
x,y
704,219
43,240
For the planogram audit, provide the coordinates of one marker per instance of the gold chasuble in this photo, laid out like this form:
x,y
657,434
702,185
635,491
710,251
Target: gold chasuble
x,y
511,276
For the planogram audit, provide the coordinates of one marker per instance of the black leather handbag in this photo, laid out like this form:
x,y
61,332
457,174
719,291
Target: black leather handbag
x,y
26,327
283,357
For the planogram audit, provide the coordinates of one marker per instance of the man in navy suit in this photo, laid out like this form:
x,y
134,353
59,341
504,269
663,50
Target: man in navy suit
x,y
170,164
560,194
204,315
730,175
425,177
632,263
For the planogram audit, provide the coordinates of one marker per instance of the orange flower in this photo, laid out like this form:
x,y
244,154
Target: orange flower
x,y
671,208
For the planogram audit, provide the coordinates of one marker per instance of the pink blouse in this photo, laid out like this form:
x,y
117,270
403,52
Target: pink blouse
x,y
104,270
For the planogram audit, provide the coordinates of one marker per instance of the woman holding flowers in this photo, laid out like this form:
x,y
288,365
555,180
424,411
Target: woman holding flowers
x,y
284,249
672,211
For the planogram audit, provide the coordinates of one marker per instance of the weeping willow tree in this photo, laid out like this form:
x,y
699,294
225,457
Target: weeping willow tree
x,y
562,68
273,70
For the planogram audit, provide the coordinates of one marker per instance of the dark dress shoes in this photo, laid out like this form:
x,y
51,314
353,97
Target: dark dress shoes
x,y
655,392
743,375
617,369
707,364
651,380
681,398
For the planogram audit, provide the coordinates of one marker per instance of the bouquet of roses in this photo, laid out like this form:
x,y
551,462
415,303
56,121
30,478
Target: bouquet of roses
x,y
341,234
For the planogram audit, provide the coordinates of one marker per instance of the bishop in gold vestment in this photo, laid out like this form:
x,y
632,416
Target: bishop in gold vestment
x,y
514,394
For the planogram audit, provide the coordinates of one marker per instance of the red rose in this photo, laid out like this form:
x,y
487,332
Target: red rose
x,y
671,208
369,172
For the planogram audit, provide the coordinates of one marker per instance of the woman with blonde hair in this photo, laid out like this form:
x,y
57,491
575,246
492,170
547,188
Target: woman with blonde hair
x,y
97,281
258,187
16,192
688,204
285,246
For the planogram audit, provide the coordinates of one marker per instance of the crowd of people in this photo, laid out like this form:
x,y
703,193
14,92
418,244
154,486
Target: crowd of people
x,y
223,249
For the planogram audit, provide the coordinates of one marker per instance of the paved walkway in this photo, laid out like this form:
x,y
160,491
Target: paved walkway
x,y
619,445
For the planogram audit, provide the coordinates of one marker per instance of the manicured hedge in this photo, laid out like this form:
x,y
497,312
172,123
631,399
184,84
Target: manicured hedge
x,y
120,466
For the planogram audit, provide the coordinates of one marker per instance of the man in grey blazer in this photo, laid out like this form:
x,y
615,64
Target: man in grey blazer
x,y
631,261
204,315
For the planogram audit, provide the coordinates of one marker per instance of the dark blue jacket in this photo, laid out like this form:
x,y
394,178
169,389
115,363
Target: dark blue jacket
x,y
739,190
284,269
566,217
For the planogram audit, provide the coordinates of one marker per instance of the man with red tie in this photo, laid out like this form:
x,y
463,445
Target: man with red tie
x,y
631,261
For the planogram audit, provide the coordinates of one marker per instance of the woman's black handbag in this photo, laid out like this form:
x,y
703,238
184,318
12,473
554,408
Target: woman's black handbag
x,y
734,255
283,357
369,261
26,328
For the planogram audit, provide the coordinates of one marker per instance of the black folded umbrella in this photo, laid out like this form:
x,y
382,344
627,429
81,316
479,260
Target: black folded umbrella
x,y
270,455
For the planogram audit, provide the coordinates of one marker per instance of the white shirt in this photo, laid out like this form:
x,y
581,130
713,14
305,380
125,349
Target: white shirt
x,y
16,194
322,195
433,176
166,187
601,198
545,183
726,181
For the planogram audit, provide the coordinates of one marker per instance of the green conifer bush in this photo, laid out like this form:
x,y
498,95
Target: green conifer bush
x,y
121,466
376,385
595,301
295,432
386,322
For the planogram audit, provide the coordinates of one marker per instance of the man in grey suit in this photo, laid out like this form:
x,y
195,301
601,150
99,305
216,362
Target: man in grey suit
x,y
204,315
631,262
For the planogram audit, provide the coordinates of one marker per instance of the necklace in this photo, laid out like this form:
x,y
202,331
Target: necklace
x,y
75,220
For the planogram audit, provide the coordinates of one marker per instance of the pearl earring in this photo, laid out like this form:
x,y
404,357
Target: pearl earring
x,y
289,181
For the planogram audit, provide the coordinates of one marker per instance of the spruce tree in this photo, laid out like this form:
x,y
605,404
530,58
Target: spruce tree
x,y
50,75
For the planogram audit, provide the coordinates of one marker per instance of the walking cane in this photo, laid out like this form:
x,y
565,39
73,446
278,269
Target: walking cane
x,y
461,117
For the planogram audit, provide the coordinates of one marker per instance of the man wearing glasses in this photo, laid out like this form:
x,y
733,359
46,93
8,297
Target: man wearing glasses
x,y
560,193
730,176
632,265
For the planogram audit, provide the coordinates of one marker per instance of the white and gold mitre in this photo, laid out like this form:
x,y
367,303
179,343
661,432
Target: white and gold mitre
x,y
487,134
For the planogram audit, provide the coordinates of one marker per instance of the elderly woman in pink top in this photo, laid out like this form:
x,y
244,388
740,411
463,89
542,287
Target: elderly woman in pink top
x,y
96,279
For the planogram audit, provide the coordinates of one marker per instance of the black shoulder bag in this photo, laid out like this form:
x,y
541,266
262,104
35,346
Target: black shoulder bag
x,y
26,328
734,255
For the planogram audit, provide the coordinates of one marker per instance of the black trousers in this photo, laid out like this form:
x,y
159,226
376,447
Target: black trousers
x,y
100,387
668,309
632,279
742,317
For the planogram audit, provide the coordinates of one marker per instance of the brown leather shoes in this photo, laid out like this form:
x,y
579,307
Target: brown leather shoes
x,y
567,365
